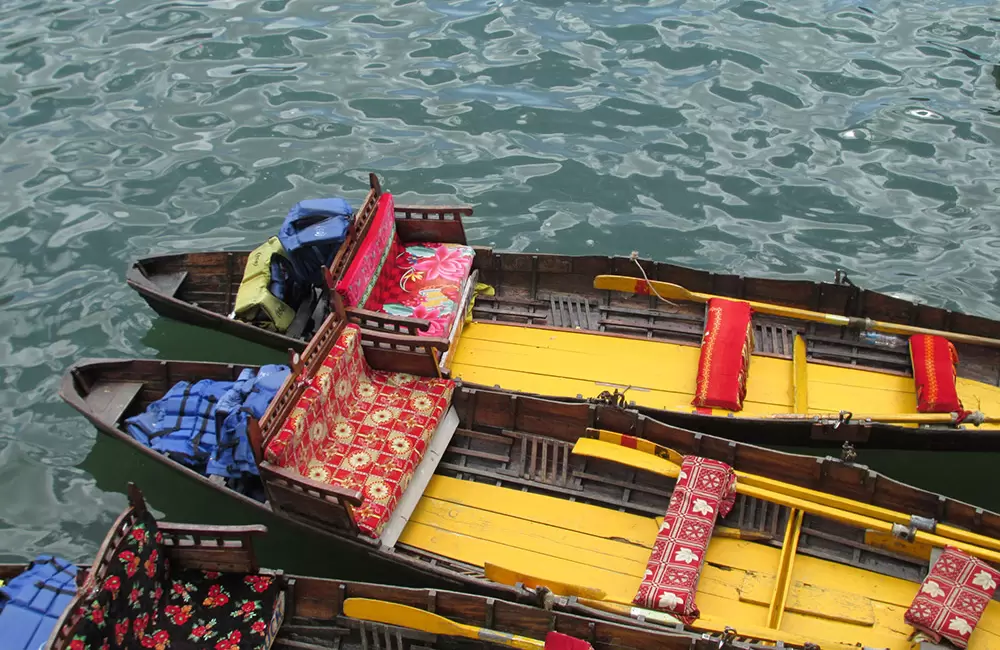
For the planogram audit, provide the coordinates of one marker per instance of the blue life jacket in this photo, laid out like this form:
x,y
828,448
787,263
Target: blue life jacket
x,y
32,602
182,423
312,232
249,396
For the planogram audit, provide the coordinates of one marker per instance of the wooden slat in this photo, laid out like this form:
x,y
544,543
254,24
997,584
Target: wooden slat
x,y
786,561
800,377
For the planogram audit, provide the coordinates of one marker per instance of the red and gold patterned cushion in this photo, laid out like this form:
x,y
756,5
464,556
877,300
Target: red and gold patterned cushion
x,y
422,280
705,490
953,597
361,429
934,371
725,355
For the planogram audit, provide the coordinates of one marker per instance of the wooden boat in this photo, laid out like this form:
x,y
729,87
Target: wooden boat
x,y
519,494
547,330
314,611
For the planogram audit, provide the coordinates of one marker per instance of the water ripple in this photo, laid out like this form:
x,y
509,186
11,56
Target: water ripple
x,y
749,137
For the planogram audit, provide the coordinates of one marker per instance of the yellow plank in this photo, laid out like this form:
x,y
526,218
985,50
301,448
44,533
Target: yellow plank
x,y
808,599
619,557
750,557
571,363
477,552
553,511
783,577
800,376
596,358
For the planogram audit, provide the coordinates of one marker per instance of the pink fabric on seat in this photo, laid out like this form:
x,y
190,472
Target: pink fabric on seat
x,y
420,280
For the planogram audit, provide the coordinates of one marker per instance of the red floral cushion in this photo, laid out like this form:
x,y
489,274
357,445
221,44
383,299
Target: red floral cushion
x,y
422,280
361,429
934,372
953,597
725,355
142,604
705,490
362,274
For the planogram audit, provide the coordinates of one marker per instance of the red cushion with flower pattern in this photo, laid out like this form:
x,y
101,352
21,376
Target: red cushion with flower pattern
x,y
705,490
725,355
419,280
361,429
934,373
140,604
953,597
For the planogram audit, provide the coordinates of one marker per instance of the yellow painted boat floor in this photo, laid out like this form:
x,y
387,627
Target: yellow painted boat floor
x,y
662,375
588,545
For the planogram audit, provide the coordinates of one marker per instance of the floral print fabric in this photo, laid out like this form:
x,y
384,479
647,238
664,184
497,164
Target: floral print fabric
x,y
361,429
140,604
953,597
422,280
705,490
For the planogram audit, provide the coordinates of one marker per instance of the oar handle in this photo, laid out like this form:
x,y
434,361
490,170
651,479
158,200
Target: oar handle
x,y
510,640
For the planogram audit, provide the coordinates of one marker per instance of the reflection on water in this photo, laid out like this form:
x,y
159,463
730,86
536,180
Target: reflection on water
x,y
745,137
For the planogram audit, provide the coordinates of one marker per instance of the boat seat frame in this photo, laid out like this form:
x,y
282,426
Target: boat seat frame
x,y
320,504
188,546
442,224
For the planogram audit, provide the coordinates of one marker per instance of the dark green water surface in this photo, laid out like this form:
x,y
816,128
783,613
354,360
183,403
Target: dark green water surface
x,y
786,140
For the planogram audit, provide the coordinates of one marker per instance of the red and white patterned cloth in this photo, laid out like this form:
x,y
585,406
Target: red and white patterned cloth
x,y
361,429
706,490
724,361
953,597
935,370
421,280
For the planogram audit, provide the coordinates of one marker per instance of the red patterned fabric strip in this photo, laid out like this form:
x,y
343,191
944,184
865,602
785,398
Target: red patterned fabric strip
x,y
363,273
705,490
953,597
725,355
934,362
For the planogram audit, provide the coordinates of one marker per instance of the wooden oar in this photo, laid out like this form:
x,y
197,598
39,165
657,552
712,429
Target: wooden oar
x,y
670,291
975,417
662,466
706,623
832,500
381,611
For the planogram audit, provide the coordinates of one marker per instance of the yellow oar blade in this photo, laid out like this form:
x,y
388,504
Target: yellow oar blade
x,y
381,611
625,456
626,284
510,577
633,442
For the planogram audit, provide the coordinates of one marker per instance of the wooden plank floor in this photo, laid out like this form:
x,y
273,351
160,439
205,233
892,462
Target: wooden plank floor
x,y
578,543
662,375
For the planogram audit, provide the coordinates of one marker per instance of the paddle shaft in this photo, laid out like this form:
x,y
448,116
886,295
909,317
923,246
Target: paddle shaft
x,y
859,515
891,418
670,291
850,505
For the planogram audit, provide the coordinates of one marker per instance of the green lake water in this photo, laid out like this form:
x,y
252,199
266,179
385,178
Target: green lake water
x,y
782,139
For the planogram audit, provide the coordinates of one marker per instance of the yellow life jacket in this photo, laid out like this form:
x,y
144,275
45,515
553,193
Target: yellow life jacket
x,y
254,301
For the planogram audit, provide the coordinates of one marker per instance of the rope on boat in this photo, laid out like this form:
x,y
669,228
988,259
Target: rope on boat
x,y
634,256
